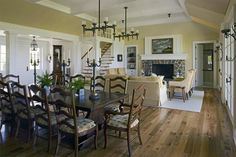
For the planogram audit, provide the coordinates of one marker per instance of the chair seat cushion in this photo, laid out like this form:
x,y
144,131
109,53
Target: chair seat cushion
x,y
113,107
83,124
44,121
121,121
33,111
6,110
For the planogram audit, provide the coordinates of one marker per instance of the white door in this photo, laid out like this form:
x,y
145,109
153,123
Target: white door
x,y
199,64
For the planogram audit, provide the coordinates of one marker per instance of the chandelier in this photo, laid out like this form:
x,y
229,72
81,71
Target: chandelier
x,y
124,33
227,32
33,44
97,26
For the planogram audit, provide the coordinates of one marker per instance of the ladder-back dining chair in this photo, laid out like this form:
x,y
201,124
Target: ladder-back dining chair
x,y
100,82
117,85
45,119
8,114
72,125
128,120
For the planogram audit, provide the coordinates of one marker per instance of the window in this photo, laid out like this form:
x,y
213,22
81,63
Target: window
x,y
34,58
2,57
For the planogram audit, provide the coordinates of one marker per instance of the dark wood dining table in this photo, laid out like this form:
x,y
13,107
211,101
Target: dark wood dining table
x,y
95,108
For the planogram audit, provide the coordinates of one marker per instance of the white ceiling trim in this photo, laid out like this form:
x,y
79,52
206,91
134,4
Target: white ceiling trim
x,y
53,5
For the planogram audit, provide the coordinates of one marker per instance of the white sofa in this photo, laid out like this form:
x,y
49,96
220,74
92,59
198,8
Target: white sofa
x,y
156,91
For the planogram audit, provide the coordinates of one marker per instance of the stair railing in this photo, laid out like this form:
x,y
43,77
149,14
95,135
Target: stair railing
x,y
86,53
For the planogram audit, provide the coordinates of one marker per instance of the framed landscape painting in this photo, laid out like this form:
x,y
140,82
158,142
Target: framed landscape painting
x,y
162,46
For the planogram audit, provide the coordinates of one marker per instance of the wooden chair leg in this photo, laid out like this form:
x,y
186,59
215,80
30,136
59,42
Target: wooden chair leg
x,y
49,139
128,143
96,138
139,134
1,122
35,136
58,142
17,127
183,94
105,136
76,146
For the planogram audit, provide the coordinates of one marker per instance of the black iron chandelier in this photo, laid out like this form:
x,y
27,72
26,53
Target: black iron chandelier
x,y
124,33
227,33
97,26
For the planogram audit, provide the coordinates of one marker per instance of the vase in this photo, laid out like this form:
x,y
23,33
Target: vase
x,y
81,92
47,89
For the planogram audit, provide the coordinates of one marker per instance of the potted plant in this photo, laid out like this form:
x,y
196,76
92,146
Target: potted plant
x,y
77,86
45,81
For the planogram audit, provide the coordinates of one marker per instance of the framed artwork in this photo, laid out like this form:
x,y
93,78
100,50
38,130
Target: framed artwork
x,y
119,58
162,46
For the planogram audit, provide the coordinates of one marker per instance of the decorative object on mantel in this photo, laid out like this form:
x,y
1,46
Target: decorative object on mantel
x,y
124,33
94,95
99,27
162,46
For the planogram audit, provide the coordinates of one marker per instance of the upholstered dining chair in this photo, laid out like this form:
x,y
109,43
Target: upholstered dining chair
x,y
127,120
8,114
45,119
72,125
100,82
116,85
185,85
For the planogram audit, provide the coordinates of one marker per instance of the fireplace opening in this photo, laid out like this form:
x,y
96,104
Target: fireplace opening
x,y
167,70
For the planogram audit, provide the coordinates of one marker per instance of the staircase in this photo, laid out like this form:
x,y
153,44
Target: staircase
x,y
106,60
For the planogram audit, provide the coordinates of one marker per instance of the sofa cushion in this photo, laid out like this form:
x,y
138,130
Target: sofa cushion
x,y
147,78
121,71
112,71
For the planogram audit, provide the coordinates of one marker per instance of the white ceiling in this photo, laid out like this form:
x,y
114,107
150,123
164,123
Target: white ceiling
x,y
140,12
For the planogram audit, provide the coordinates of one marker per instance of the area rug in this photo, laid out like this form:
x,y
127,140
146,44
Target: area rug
x,y
193,104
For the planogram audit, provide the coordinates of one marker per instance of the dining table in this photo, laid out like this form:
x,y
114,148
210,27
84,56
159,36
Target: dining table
x,y
95,108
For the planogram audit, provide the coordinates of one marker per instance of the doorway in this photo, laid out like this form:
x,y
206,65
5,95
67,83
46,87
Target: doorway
x,y
203,63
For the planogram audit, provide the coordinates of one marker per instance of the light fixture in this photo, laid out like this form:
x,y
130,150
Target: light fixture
x,y
34,45
227,33
124,33
98,26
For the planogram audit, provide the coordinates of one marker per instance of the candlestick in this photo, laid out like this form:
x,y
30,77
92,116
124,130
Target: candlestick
x,y
35,64
94,95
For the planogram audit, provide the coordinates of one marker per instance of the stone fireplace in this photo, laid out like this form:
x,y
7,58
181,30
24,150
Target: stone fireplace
x,y
149,66
167,64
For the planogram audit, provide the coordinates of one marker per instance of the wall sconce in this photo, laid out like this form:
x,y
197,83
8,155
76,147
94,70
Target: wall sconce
x,y
49,58
227,33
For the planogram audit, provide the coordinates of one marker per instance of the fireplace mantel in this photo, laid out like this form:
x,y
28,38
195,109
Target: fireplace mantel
x,y
177,56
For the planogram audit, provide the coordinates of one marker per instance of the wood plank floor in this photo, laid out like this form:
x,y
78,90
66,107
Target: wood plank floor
x,y
165,133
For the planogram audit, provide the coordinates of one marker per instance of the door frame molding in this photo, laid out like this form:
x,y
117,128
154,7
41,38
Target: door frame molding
x,y
214,60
